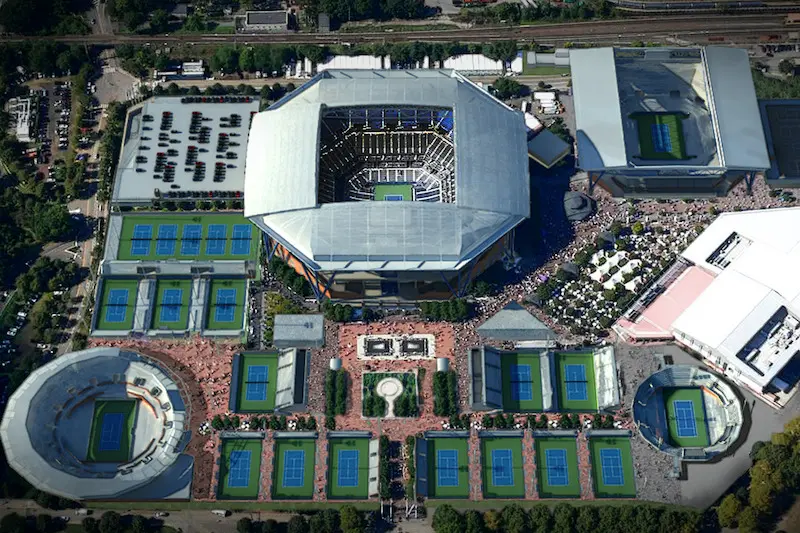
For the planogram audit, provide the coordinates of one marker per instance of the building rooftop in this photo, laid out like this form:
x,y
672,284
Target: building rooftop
x,y
266,17
547,148
514,323
184,148
298,331
707,95
781,120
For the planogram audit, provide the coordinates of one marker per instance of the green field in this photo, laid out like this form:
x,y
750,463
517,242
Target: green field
x,y
543,70
269,360
175,225
647,148
336,491
241,301
108,284
510,405
397,189
601,490
573,488
127,408
695,395
184,285
224,490
305,491
490,490
461,446
576,358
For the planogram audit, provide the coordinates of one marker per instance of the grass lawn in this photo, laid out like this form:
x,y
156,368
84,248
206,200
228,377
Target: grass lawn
x,y
187,236
344,484
646,123
124,313
565,402
241,474
623,486
461,488
543,70
256,405
572,488
375,406
297,483
503,483
394,191
165,310
112,431
522,359
699,438
218,320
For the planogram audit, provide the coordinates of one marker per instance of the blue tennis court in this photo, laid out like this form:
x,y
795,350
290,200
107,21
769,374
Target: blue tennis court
x,y
167,237
256,390
684,418
348,468
294,462
447,468
217,234
557,475
140,243
171,305
661,140
240,244
575,379
226,305
239,471
502,468
521,382
117,305
190,242
111,434
611,461
393,197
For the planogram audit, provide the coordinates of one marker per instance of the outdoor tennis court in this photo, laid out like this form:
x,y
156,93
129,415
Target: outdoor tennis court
x,y
348,468
227,299
189,236
557,467
239,469
522,382
117,304
394,192
502,468
257,382
293,476
172,303
686,417
448,461
575,381
660,135
612,467
111,434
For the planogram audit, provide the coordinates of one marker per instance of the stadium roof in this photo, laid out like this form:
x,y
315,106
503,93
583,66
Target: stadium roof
x,y
135,180
298,331
757,277
491,176
713,86
44,451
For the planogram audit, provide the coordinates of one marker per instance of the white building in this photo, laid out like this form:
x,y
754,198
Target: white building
x,y
474,64
22,123
355,62
746,323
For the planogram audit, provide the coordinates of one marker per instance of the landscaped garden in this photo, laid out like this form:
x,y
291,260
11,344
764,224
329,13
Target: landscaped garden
x,y
374,405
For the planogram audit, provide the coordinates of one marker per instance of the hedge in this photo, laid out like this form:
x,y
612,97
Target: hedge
x,y
384,488
445,395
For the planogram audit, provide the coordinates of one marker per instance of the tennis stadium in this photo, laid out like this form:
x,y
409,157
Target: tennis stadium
x,y
102,423
265,382
390,185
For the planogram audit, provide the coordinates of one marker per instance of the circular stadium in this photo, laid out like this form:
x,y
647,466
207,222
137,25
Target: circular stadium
x,y
687,412
388,184
99,424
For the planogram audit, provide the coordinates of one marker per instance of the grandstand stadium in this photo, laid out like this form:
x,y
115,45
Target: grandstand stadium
x,y
662,122
388,185
687,412
100,424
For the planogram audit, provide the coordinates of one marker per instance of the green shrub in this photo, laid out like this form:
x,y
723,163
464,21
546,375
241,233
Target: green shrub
x,y
341,392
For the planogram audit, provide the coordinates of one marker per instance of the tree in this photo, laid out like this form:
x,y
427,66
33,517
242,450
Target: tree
x,y
271,526
325,522
244,525
350,519
44,523
110,522
297,524
507,88
12,523
492,520
447,520
247,60
637,228
540,518
139,524
474,521
90,525
729,510
48,222
748,520
159,21
588,520
563,518
608,519
762,498
515,519
786,66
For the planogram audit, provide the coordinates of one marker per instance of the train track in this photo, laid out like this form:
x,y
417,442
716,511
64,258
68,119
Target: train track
x,y
615,30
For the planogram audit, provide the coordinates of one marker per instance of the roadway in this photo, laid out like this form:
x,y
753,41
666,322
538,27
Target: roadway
x,y
649,28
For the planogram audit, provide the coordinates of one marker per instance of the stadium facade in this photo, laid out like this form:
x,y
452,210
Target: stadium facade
x,y
388,185
667,122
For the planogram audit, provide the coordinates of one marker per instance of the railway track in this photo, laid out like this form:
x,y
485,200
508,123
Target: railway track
x,y
615,30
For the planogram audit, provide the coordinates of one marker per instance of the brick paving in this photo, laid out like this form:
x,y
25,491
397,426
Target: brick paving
x,y
584,468
321,466
267,464
529,466
475,470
